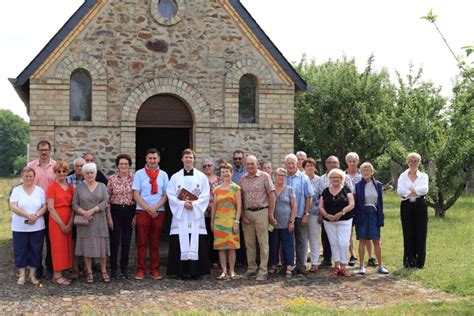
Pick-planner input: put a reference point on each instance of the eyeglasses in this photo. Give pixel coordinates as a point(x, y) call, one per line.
point(413, 161)
point(206, 166)
point(238, 158)
point(78, 166)
point(45, 150)
point(61, 171)
point(335, 178)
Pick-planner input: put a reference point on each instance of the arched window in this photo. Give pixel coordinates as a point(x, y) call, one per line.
point(80, 107)
point(248, 99)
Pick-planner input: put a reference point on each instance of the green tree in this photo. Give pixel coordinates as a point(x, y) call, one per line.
point(440, 132)
point(347, 111)
point(14, 139)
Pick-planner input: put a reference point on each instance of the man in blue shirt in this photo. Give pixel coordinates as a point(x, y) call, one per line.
point(304, 198)
point(238, 164)
point(149, 191)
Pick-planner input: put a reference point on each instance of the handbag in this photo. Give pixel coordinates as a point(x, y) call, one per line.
point(80, 220)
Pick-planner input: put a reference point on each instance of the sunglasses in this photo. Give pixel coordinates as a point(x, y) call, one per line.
point(61, 171)
point(238, 158)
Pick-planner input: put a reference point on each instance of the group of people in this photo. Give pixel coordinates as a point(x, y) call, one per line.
point(221, 216)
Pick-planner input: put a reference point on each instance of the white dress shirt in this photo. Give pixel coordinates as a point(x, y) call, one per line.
point(420, 185)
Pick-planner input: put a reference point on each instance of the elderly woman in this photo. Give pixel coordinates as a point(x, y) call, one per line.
point(59, 198)
point(412, 188)
point(225, 220)
point(335, 206)
point(314, 225)
point(122, 208)
point(368, 215)
point(91, 201)
point(283, 232)
point(208, 168)
point(28, 204)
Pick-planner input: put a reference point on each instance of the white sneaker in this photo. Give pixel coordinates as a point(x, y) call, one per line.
point(382, 270)
point(361, 270)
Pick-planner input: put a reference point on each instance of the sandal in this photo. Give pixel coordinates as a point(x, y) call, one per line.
point(34, 280)
point(288, 273)
point(336, 272)
point(274, 269)
point(314, 268)
point(21, 280)
point(61, 281)
point(90, 278)
point(105, 277)
point(222, 276)
point(234, 276)
point(344, 272)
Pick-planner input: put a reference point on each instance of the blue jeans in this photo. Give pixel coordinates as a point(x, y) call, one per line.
point(27, 248)
point(283, 236)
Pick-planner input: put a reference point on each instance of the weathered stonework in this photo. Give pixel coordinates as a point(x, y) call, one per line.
point(132, 56)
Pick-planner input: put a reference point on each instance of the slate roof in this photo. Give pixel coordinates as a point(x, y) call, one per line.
point(21, 83)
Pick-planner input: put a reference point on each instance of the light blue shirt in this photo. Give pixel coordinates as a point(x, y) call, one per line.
point(302, 188)
point(238, 173)
point(141, 183)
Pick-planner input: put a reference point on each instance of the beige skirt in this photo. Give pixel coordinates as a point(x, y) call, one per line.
point(93, 247)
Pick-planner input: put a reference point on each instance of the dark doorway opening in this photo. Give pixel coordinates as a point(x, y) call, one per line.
point(165, 123)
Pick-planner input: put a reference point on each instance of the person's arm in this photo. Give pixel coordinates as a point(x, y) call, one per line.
point(213, 212)
point(291, 225)
point(54, 215)
point(271, 207)
point(421, 188)
point(402, 190)
point(238, 202)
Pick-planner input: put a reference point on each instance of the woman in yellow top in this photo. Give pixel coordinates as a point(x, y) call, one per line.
point(225, 220)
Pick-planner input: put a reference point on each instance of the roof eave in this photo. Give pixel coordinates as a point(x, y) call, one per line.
point(299, 82)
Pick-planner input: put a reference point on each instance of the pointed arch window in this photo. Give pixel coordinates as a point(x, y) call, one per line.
point(80, 108)
point(248, 99)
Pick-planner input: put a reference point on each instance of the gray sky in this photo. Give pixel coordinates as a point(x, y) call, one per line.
point(392, 30)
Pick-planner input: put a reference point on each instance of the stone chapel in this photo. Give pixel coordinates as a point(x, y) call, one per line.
point(123, 76)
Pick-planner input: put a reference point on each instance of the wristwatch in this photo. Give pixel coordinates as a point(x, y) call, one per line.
point(291, 222)
point(343, 213)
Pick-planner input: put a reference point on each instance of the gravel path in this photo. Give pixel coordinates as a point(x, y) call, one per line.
point(206, 294)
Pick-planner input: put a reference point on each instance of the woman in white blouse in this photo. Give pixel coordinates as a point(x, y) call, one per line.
point(412, 188)
point(28, 204)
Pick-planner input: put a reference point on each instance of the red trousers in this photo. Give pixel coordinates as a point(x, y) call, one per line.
point(148, 233)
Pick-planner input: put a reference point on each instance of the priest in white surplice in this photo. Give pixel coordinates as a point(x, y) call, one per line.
point(188, 253)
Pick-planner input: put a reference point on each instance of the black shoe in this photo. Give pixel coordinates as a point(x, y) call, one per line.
point(352, 261)
point(326, 263)
point(113, 274)
point(125, 275)
point(49, 274)
point(372, 262)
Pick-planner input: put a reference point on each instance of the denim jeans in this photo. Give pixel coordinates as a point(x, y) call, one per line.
point(286, 239)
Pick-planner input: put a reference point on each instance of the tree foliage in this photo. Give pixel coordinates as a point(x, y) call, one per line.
point(346, 111)
point(14, 139)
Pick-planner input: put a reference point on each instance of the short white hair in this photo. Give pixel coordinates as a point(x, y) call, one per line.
point(89, 167)
point(292, 157)
point(80, 159)
point(352, 155)
point(301, 154)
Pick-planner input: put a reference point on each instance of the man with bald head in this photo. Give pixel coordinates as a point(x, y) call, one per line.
point(304, 192)
point(321, 184)
point(258, 196)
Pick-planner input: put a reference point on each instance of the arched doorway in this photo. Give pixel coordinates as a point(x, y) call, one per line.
point(165, 123)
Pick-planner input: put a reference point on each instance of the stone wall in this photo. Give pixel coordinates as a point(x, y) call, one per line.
point(130, 56)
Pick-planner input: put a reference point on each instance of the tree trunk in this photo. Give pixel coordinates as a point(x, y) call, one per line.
point(440, 211)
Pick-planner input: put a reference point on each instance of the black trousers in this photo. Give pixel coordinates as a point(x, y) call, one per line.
point(241, 253)
point(414, 216)
point(213, 254)
point(121, 235)
point(48, 262)
point(327, 254)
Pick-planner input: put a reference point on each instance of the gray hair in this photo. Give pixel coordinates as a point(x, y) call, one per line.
point(80, 159)
point(89, 167)
point(352, 155)
point(209, 160)
point(291, 156)
point(301, 153)
point(281, 170)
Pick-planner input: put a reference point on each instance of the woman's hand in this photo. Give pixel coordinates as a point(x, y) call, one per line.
point(235, 229)
point(88, 214)
point(272, 221)
point(212, 225)
point(331, 218)
point(32, 218)
point(337, 216)
point(68, 227)
point(110, 223)
point(291, 227)
point(134, 221)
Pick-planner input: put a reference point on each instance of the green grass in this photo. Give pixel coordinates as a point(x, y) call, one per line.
point(303, 306)
point(6, 185)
